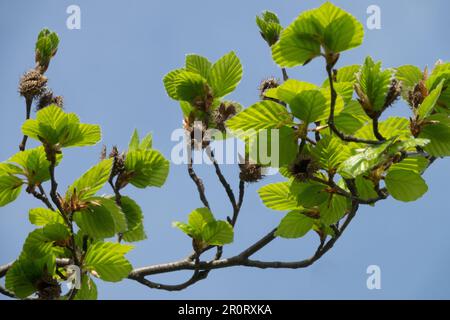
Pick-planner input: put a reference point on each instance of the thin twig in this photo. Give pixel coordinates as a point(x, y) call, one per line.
point(199, 183)
point(285, 75)
point(28, 102)
point(331, 124)
point(67, 220)
point(7, 293)
point(224, 183)
point(376, 130)
point(41, 195)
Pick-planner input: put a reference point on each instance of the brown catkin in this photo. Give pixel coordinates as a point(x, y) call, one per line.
point(47, 98)
point(250, 172)
point(32, 84)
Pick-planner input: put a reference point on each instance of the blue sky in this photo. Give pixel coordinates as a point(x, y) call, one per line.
point(110, 72)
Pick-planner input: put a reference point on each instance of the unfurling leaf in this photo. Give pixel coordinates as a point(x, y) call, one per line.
point(269, 27)
point(205, 229)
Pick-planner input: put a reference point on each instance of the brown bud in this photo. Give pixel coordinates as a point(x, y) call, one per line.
point(331, 58)
point(225, 111)
point(48, 288)
point(204, 102)
point(265, 85)
point(250, 172)
point(32, 84)
point(103, 153)
point(198, 134)
point(393, 94)
point(47, 98)
point(417, 95)
point(118, 162)
point(303, 167)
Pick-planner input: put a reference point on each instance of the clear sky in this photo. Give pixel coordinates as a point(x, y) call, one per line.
point(110, 72)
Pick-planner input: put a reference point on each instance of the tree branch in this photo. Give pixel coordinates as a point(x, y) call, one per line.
point(242, 259)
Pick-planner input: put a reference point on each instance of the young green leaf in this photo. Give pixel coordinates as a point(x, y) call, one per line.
point(146, 168)
point(429, 102)
point(439, 136)
point(298, 42)
point(55, 127)
point(393, 127)
point(441, 72)
point(347, 74)
point(330, 152)
point(287, 91)
point(135, 220)
point(170, 83)
point(23, 275)
point(262, 115)
point(327, 26)
point(107, 260)
point(10, 187)
point(56, 231)
point(348, 123)
point(205, 229)
point(333, 209)
point(91, 181)
point(34, 165)
point(137, 144)
point(405, 185)
point(190, 86)
point(134, 141)
point(102, 218)
point(309, 194)
point(372, 86)
point(217, 233)
point(365, 187)
point(363, 161)
point(199, 218)
point(275, 147)
point(309, 106)
point(342, 30)
point(277, 196)
point(146, 142)
point(410, 76)
point(226, 74)
point(269, 27)
point(198, 64)
point(46, 47)
point(416, 164)
point(294, 225)
point(43, 216)
point(39, 244)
